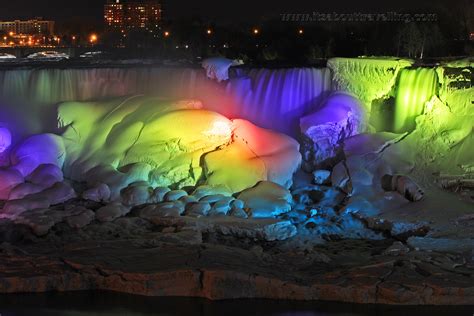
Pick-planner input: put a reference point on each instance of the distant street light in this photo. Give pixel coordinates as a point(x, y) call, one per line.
point(256, 31)
point(93, 39)
point(300, 31)
point(166, 34)
point(209, 32)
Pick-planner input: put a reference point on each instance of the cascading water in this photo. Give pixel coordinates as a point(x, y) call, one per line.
point(415, 87)
point(270, 98)
point(277, 99)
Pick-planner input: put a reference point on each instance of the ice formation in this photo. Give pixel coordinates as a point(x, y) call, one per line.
point(186, 158)
point(5, 139)
point(129, 182)
point(367, 78)
point(170, 144)
point(217, 68)
point(339, 117)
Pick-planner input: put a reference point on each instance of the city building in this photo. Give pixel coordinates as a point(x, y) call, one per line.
point(114, 14)
point(30, 27)
point(128, 15)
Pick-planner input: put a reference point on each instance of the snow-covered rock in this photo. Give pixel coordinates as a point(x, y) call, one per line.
point(59, 193)
point(255, 154)
point(339, 117)
point(238, 212)
point(205, 190)
point(267, 199)
point(221, 206)
point(217, 68)
point(175, 195)
point(198, 209)
point(46, 175)
point(166, 209)
point(280, 231)
point(38, 150)
point(170, 144)
point(212, 198)
point(103, 138)
point(14, 208)
point(158, 194)
point(24, 189)
point(99, 193)
point(82, 217)
point(111, 211)
point(321, 176)
point(9, 179)
point(136, 194)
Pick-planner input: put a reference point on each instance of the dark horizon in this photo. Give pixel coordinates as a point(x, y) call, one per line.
point(219, 11)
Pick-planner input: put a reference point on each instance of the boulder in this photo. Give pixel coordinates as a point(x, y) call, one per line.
point(9, 179)
point(82, 217)
point(339, 117)
point(136, 194)
point(238, 212)
point(217, 68)
point(46, 175)
point(198, 209)
point(166, 209)
point(140, 130)
point(158, 194)
point(25, 189)
point(321, 176)
point(111, 211)
point(175, 195)
point(256, 154)
point(38, 150)
point(221, 207)
point(267, 199)
point(205, 190)
point(99, 193)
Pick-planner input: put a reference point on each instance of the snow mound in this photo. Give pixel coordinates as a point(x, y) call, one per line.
point(170, 143)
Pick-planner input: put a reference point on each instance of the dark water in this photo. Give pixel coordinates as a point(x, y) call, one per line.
point(115, 304)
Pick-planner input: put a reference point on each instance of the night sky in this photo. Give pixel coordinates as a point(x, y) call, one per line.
point(221, 11)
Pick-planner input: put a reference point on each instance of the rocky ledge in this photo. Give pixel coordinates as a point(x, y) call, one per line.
point(200, 257)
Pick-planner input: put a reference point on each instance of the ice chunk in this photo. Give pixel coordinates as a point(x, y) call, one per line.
point(217, 68)
point(267, 199)
point(37, 150)
point(339, 117)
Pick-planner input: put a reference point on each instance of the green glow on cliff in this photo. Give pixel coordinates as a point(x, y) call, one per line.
point(415, 88)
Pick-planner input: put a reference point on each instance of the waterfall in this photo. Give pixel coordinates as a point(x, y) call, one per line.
point(271, 98)
point(276, 99)
point(415, 87)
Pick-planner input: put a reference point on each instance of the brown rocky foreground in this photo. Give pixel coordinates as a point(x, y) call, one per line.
point(132, 256)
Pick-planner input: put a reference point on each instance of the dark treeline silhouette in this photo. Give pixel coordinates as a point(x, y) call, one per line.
point(306, 42)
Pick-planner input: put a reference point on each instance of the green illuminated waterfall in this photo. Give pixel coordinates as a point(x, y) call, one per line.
point(415, 87)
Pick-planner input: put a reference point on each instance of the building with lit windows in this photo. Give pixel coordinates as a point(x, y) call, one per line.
point(30, 27)
point(128, 15)
point(114, 14)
